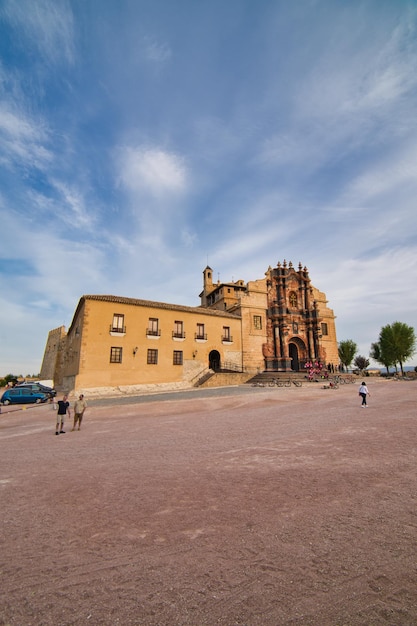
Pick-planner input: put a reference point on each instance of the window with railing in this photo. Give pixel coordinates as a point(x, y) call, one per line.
point(200, 334)
point(324, 329)
point(116, 354)
point(152, 357)
point(226, 334)
point(153, 327)
point(118, 324)
point(178, 331)
point(177, 357)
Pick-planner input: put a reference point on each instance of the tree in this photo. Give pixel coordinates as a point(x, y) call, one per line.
point(9, 378)
point(398, 342)
point(378, 355)
point(347, 351)
point(361, 362)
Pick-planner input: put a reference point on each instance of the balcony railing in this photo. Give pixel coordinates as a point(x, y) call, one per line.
point(178, 335)
point(200, 336)
point(117, 329)
point(153, 332)
point(227, 338)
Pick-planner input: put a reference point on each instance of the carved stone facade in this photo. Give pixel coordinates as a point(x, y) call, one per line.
point(285, 311)
point(300, 328)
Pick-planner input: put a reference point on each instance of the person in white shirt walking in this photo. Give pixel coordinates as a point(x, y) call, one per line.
point(364, 392)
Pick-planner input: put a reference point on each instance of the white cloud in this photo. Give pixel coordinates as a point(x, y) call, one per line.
point(387, 175)
point(46, 24)
point(22, 140)
point(74, 210)
point(189, 239)
point(64, 207)
point(250, 150)
point(152, 171)
point(156, 51)
point(351, 96)
point(368, 293)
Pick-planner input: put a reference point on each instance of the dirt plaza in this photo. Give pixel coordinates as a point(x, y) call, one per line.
point(269, 506)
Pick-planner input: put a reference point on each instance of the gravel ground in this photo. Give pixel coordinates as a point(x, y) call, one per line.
point(251, 506)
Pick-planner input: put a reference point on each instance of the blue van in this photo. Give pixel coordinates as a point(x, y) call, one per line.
point(23, 395)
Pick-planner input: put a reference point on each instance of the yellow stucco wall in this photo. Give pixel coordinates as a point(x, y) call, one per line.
point(253, 304)
point(329, 341)
point(92, 367)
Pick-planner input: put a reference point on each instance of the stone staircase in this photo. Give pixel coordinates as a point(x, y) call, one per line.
point(265, 378)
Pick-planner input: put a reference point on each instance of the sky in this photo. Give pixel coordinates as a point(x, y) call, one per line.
point(142, 140)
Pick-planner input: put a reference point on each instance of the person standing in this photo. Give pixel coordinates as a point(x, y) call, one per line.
point(63, 410)
point(79, 408)
point(364, 392)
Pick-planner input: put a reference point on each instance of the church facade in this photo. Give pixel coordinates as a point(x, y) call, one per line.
point(277, 324)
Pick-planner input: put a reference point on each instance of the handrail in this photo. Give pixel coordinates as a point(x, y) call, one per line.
point(200, 374)
point(153, 333)
point(228, 365)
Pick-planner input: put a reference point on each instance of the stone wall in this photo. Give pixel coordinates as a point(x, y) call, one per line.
point(52, 353)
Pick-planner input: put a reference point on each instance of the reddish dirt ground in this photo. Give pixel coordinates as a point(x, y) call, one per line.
point(282, 506)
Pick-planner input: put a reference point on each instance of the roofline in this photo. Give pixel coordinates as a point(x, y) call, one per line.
point(151, 304)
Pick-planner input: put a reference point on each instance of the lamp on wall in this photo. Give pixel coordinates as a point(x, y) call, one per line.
point(194, 354)
point(135, 350)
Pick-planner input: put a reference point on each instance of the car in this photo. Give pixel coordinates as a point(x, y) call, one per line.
point(38, 387)
point(22, 395)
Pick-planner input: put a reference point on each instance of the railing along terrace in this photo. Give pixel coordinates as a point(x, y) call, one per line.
point(117, 329)
point(231, 367)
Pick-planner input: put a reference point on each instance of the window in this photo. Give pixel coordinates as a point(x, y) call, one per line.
point(152, 357)
point(324, 329)
point(118, 325)
point(178, 330)
point(257, 322)
point(153, 327)
point(226, 334)
point(116, 355)
point(177, 360)
point(200, 334)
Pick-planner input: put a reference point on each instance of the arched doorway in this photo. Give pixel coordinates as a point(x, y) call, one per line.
point(295, 361)
point(214, 360)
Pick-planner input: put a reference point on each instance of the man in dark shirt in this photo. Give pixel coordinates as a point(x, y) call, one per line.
point(63, 410)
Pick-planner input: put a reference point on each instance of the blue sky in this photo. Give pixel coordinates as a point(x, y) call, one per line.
point(141, 140)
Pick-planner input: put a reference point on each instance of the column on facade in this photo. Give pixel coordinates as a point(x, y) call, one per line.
point(316, 331)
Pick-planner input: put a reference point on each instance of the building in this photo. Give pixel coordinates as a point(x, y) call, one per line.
point(277, 324)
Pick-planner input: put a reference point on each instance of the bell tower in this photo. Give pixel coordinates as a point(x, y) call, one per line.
point(207, 285)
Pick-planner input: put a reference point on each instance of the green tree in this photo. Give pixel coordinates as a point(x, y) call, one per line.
point(378, 355)
point(7, 379)
point(398, 342)
point(361, 362)
point(347, 351)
